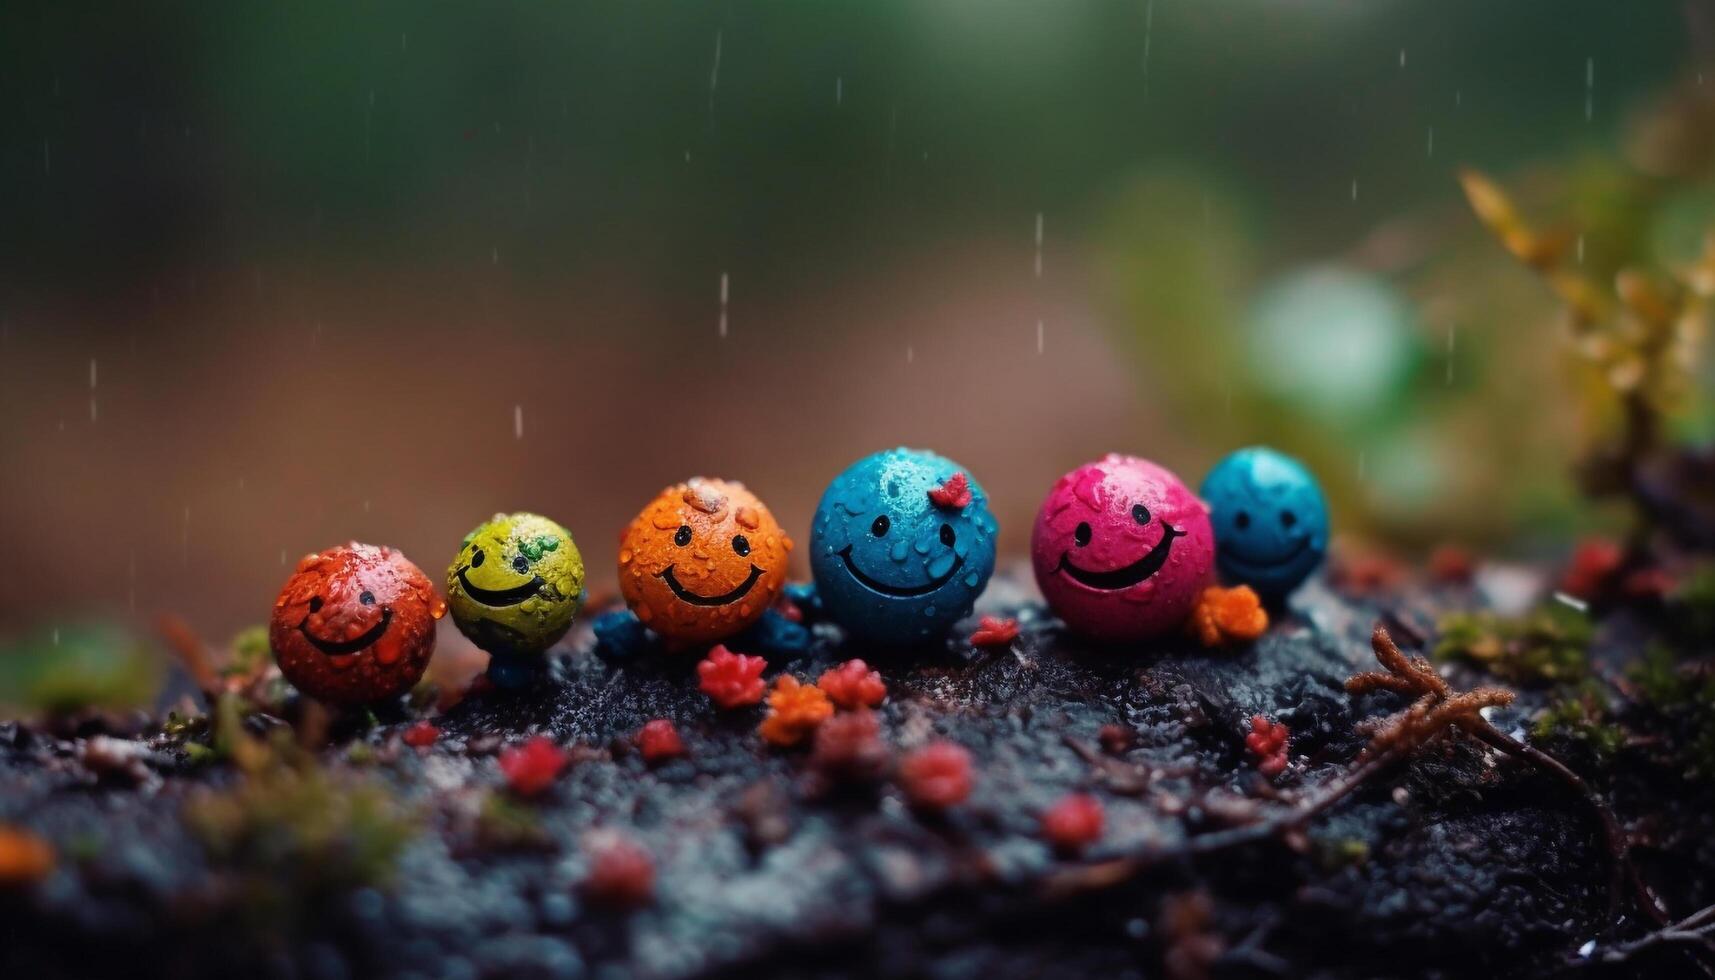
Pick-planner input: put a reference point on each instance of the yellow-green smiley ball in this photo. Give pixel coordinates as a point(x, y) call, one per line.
point(516, 584)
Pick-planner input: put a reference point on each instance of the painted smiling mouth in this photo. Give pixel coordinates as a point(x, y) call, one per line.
point(899, 591)
point(1251, 563)
point(686, 595)
point(500, 597)
point(1130, 575)
point(339, 648)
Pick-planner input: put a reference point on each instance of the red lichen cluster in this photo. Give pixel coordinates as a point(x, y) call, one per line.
point(1073, 823)
point(421, 735)
point(853, 685)
point(1595, 565)
point(731, 680)
point(1268, 742)
point(532, 767)
point(1451, 564)
point(659, 741)
point(1223, 616)
point(621, 872)
point(848, 747)
point(794, 711)
point(1190, 944)
point(936, 776)
point(994, 631)
point(1365, 572)
point(953, 494)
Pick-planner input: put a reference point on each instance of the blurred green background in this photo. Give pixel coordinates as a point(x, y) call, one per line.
point(273, 277)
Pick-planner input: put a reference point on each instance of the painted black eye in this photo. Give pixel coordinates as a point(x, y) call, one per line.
point(315, 603)
point(1140, 513)
point(367, 598)
point(1081, 534)
point(477, 558)
point(880, 526)
point(947, 535)
point(1288, 518)
point(521, 564)
point(1242, 520)
point(741, 545)
point(683, 537)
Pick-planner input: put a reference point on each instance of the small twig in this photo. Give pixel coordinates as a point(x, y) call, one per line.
point(1621, 870)
point(193, 653)
point(1696, 932)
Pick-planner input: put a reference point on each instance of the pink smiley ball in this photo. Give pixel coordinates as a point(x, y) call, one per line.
point(1121, 549)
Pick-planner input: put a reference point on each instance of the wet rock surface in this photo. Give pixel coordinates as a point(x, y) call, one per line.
point(1458, 862)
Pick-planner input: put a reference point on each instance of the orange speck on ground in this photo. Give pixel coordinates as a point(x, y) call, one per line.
point(1224, 616)
point(794, 711)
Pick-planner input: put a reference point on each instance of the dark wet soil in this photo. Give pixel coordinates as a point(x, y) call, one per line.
point(1462, 862)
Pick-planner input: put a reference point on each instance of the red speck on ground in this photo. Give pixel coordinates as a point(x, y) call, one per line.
point(1595, 562)
point(994, 631)
point(1650, 583)
point(936, 776)
point(621, 872)
point(731, 680)
point(532, 767)
point(849, 747)
point(953, 494)
point(659, 741)
point(1268, 741)
point(420, 735)
point(853, 685)
point(1073, 823)
point(788, 610)
point(1452, 565)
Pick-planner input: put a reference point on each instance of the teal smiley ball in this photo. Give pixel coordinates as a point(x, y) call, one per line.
point(1270, 519)
point(902, 544)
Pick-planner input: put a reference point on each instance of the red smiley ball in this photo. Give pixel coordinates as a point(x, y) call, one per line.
point(1122, 549)
point(355, 625)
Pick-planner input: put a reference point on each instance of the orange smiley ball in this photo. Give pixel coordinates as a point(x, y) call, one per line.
point(704, 560)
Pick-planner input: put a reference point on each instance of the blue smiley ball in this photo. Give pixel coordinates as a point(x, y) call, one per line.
point(902, 544)
point(1271, 522)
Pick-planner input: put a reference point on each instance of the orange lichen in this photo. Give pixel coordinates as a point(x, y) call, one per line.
point(1073, 823)
point(24, 857)
point(532, 767)
point(1224, 616)
point(936, 776)
point(994, 631)
point(731, 680)
point(794, 711)
point(853, 685)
